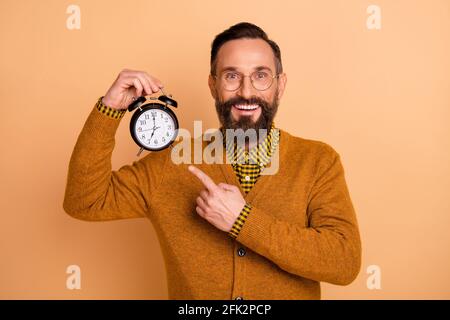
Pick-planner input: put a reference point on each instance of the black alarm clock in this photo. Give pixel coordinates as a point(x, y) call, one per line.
point(153, 126)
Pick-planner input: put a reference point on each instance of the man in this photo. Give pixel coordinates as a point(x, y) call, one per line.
point(227, 231)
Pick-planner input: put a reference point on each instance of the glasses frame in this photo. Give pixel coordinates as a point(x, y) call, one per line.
point(251, 80)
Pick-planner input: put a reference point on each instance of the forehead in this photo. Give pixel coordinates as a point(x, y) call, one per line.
point(245, 55)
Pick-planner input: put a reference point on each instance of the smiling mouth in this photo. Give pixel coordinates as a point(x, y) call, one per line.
point(246, 107)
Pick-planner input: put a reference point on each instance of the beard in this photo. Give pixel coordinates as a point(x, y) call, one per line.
point(268, 112)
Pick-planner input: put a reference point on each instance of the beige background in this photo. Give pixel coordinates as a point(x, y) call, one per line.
point(381, 98)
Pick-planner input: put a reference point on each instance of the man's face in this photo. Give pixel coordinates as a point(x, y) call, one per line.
point(246, 56)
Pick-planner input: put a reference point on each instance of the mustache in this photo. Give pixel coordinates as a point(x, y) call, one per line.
point(240, 100)
point(268, 111)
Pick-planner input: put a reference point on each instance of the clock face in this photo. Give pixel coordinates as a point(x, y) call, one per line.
point(155, 128)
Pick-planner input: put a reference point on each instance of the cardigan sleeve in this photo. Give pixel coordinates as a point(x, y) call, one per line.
point(329, 248)
point(95, 192)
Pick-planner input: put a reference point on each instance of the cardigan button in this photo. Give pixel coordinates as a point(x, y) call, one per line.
point(241, 252)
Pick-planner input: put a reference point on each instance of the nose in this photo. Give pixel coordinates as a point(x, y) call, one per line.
point(246, 89)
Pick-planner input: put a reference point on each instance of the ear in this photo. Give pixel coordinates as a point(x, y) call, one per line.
point(282, 79)
point(212, 86)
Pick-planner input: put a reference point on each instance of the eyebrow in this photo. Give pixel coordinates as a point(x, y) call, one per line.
point(258, 68)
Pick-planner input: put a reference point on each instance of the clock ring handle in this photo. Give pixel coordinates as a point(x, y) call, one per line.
point(136, 103)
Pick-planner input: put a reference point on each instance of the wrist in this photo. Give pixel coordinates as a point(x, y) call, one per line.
point(109, 103)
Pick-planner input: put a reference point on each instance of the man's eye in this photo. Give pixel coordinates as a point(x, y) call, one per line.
point(231, 76)
point(261, 75)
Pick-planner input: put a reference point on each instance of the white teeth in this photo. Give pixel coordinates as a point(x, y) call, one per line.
point(246, 107)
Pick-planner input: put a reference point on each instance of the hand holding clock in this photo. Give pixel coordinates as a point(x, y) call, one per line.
point(129, 91)
point(130, 84)
point(219, 204)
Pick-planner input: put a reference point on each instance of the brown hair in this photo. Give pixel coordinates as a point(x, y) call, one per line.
point(239, 31)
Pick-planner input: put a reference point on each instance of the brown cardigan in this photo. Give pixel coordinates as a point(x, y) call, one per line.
point(302, 228)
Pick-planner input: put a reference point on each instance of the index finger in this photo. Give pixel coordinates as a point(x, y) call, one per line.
point(203, 177)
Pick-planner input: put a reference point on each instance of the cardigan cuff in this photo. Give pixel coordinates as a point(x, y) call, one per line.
point(257, 232)
point(108, 111)
point(239, 223)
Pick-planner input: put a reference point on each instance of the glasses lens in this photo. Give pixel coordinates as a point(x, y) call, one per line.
point(231, 80)
point(262, 79)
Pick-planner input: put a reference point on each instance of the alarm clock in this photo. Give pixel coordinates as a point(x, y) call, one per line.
point(153, 126)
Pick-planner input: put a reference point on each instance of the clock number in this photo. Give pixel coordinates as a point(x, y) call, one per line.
point(143, 136)
point(156, 141)
point(147, 116)
point(153, 114)
point(143, 122)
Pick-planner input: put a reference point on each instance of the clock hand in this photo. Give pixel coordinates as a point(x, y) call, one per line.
point(154, 128)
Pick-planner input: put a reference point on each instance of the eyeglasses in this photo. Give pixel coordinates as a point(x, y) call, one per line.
point(232, 80)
